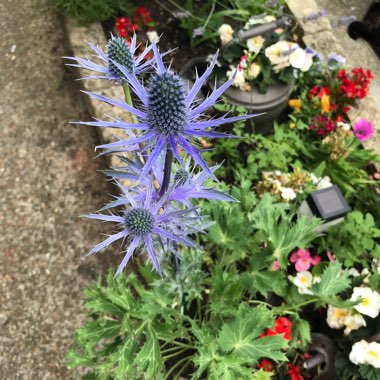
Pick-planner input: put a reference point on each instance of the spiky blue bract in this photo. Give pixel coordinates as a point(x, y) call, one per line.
point(118, 50)
point(169, 115)
point(146, 221)
point(186, 183)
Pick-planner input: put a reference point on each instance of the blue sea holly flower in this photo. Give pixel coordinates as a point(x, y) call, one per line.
point(186, 183)
point(118, 50)
point(169, 115)
point(146, 221)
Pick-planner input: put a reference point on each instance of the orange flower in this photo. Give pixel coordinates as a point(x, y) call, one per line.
point(296, 104)
point(325, 104)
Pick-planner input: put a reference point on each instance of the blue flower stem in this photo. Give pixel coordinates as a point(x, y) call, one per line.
point(167, 171)
point(129, 101)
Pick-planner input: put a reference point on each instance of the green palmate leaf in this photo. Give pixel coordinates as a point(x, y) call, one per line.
point(301, 331)
point(206, 358)
point(279, 229)
point(241, 336)
point(259, 279)
point(149, 358)
point(333, 281)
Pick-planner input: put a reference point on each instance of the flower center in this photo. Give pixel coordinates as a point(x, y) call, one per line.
point(119, 52)
point(365, 302)
point(180, 177)
point(139, 222)
point(167, 111)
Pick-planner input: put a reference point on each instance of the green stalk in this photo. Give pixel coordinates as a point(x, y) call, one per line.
point(128, 99)
point(185, 359)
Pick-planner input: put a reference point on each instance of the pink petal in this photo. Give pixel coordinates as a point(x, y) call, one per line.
point(303, 253)
point(315, 260)
point(302, 265)
point(294, 257)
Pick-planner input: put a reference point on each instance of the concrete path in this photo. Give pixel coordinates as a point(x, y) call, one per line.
point(47, 179)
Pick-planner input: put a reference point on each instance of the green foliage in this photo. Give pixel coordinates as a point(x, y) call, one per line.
point(333, 281)
point(232, 350)
point(147, 328)
point(354, 241)
point(86, 12)
point(283, 234)
point(368, 372)
point(259, 279)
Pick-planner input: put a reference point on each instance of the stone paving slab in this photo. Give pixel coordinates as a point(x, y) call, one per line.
point(48, 177)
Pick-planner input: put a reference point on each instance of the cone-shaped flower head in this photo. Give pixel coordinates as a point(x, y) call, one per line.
point(145, 221)
point(118, 51)
point(169, 117)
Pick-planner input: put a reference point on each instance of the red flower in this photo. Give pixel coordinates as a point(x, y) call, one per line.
point(142, 11)
point(266, 365)
point(322, 125)
point(294, 372)
point(313, 91)
point(282, 326)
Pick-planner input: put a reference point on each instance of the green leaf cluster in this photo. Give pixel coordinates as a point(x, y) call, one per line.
point(354, 240)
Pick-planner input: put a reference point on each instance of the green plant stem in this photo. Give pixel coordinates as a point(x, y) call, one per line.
point(182, 369)
point(128, 99)
point(297, 307)
point(185, 359)
point(173, 354)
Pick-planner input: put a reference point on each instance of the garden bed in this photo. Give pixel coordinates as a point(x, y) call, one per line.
point(268, 288)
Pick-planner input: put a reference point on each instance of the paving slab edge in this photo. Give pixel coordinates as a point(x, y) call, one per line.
point(318, 36)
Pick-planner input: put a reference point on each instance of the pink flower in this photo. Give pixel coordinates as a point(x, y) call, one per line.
point(275, 265)
point(331, 256)
point(303, 260)
point(363, 129)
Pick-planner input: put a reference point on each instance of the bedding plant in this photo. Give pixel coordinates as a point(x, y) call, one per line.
point(244, 299)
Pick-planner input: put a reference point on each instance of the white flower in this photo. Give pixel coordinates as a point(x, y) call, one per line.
point(153, 36)
point(288, 193)
point(303, 281)
point(373, 354)
point(370, 304)
point(255, 44)
point(278, 53)
point(254, 70)
point(365, 353)
point(353, 272)
point(299, 59)
point(239, 80)
point(324, 183)
point(254, 20)
point(358, 352)
point(336, 317)
point(226, 33)
point(344, 126)
point(353, 322)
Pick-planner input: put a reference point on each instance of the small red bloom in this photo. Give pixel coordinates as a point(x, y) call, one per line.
point(266, 365)
point(282, 326)
point(294, 372)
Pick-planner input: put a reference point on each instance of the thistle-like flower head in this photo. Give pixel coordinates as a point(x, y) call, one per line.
point(118, 51)
point(145, 221)
point(169, 115)
point(186, 183)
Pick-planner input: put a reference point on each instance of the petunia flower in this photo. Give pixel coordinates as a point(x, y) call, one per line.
point(118, 50)
point(169, 115)
point(363, 129)
point(146, 221)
